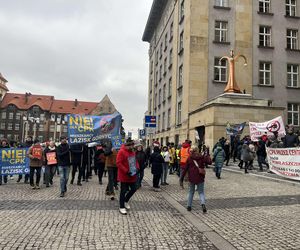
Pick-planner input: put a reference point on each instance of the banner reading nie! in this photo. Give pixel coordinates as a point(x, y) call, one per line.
point(13, 161)
point(87, 129)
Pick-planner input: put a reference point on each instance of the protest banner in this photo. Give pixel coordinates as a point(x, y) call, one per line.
point(51, 158)
point(14, 161)
point(236, 129)
point(37, 152)
point(285, 162)
point(257, 130)
point(87, 129)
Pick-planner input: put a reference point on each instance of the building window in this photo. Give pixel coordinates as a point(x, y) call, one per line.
point(265, 36)
point(16, 137)
point(181, 11)
point(291, 7)
point(2, 125)
point(180, 78)
point(42, 117)
point(160, 50)
point(41, 127)
point(9, 126)
point(293, 114)
point(10, 115)
point(265, 73)
point(179, 113)
point(163, 121)
point(181, 42)
point(221, 31)
point(293, 75)
point(159, 97)
point(160, 72)
point(221, 3)
point(169, 118)
point(170, 87)
point(158, 123)
point(170, 57)
point(17, 126)
point(166, 41)
point(41, 138)
point(156, 77)
point(156, 57)
point(292, 39)
point(164, 92)
point(3, 115)
point(52, 128)
point(9, 136)
point(18, 116)
point(165, 66)
point(220, 70)
point(171, 32)
point(264, 6)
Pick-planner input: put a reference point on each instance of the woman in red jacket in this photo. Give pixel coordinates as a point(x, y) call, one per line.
point(195, 166)
point(127, 174)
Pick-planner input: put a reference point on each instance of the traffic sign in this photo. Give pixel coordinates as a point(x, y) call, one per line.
point(150, 121)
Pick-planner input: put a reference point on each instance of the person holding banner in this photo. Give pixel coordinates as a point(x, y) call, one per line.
point(64, 162)
point(4, 144)
point(127, 174)
point(36, 156)
point(50, 162)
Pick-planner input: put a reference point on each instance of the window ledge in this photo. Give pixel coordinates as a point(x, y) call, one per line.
point(265, 13)
point(219, 42)
point(221, 7)
point(289, 87)
point(219, 82)
point(265, 47)
point(296, 50)
point(180, 51)
point(165, 49)
point(267, 86)
point(293, 17)
point(181, 20)
point(178, 125)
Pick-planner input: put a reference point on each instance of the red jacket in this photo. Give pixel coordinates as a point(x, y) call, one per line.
point(193, 171)
point(123, 158)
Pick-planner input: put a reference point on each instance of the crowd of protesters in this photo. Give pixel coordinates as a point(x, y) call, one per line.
point(125, 167)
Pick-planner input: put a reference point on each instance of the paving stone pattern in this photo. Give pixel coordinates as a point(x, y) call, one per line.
point(248, 211)
point(87, 219)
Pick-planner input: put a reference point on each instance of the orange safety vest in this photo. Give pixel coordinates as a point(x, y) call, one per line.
point(184, 155)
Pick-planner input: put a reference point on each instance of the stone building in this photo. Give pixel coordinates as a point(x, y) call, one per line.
point(188, 37)
point(42, 116)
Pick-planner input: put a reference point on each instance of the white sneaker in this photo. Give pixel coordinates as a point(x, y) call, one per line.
point(123, 211)
point(127, 206)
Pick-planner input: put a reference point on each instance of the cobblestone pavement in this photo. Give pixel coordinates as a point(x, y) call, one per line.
point(86, 219)
point(249, 211)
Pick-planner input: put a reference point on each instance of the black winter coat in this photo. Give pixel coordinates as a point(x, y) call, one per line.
point(63, 155)
point(156, 161)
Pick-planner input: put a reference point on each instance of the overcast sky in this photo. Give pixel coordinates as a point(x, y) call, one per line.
point(80, 49)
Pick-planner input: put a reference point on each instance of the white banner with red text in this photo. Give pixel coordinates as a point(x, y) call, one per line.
point(285, 162)
point(258, 129)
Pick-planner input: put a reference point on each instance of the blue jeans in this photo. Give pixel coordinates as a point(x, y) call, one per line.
point(140, 178)
point(165, 172)
point(218, 167)
point(64, 177)
point(200, 188)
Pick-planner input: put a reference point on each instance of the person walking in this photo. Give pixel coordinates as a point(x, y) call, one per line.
point(141, 158)
point(50, 163)
point(100, 161)
point(64, 162)
point(195, 167)
point(166, 155)
point(110, 165)
point(76, 161)
point(246, 155)
point(127, 174)
point(4, 144)
point(36, 156)
point(219, 156)
point(156, 161)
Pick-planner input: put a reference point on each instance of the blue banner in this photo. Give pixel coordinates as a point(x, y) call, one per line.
point(13, 161)
point(87, 129)
point(235, 129)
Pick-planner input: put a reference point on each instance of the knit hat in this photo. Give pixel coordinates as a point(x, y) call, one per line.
point(129, 142)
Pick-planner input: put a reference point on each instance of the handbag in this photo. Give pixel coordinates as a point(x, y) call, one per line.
point(201, 170)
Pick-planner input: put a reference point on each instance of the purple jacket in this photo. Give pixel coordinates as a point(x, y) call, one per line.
point(193, 171)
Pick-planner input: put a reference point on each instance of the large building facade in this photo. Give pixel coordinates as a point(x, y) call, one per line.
point(188, 37)
point(41, 116)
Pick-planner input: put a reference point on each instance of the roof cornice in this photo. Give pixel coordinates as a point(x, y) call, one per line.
point(154, 17)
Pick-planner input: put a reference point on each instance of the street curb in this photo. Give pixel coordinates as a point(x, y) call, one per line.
point(292, 183)
point(218, 241)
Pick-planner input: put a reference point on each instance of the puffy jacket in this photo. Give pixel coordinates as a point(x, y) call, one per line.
point(184, 153)
point(124, 157)
point(219, 154)
point(156, 160)
point(193, 171)
point(141, 158)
